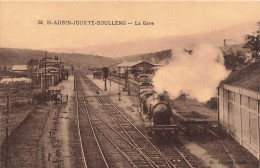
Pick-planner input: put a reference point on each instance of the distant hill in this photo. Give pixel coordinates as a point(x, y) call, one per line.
point(11, 56)
point(156, 57)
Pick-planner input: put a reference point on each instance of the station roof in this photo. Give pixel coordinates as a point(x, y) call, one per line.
point(9, 80)
point(49, 68)
point(19, 68)
point(247, 77)
point(130, 64)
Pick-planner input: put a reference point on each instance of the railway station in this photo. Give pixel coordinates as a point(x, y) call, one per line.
point(182, 92)
point(141, 129)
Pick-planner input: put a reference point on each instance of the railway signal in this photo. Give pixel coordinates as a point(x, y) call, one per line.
point(127, 88)
point(105, 75)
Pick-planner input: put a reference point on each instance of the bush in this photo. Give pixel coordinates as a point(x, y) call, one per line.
point(19, 104)
point(39, 98)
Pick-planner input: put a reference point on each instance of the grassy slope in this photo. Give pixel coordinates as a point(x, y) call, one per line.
point(11, 56)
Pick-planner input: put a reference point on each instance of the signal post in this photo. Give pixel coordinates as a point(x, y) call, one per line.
point(105, 75)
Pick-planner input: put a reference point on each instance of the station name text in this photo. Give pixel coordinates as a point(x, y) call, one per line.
point(94, 23)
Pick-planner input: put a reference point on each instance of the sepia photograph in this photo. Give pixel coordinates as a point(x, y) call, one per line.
point(120, 84)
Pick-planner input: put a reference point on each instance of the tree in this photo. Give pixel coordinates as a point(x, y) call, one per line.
point(252, 41)
point(31, 63)
point(234, 60)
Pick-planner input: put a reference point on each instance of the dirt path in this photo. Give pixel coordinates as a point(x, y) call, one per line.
point(65, 115)
point(61, 141)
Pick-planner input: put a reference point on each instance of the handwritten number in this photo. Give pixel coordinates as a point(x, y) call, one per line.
point(40, 22)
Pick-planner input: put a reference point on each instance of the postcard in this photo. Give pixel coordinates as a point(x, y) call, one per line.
point(130, 84)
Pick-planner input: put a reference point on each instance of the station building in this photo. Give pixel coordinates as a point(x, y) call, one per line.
point(238, 107)
point(20, 70)
point(54, 72)
point(139, 67)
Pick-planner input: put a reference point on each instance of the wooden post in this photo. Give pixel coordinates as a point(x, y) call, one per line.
point(228, 109)
point(74, 83)
point(45, 84)
point(6, 132)
point(128, 83)
point(12, 81)
point(119, 94)
point(258, 110)
point(60, 71)
point(105, 84)
point(241, 129)
point(249, 114)
point(218, 106)
point(126, 79)
point(110, 84)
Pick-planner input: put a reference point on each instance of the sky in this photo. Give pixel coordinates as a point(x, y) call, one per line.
point(19, 28)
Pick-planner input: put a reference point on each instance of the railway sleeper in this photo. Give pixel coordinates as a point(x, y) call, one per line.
point(138, 159)
point(141, 161)
point(126, 125)
point(130, 131)
point(139, 165)
point(131, 153)
point(143, 166)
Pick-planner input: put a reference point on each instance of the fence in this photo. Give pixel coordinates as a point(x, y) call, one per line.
point(239, 115)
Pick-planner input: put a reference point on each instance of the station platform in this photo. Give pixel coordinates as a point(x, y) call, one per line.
point(189, 112)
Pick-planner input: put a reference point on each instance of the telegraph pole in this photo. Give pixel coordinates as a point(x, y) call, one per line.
point(127, 82)
point(119, 94)
point(45, 55)
point(6, 132)
point(128, 85)
point(60, 71)
point(74, 81)
point(45, 80)
point(126, 75)
point(12, 80)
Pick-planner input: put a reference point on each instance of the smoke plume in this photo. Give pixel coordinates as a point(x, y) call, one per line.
point(197, 74)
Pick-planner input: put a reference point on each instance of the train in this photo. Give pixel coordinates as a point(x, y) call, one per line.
point(157, 114)
point(144, 80)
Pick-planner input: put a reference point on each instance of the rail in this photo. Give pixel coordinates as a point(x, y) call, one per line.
point(149, 162)
point(167, 161)
point(91, 126)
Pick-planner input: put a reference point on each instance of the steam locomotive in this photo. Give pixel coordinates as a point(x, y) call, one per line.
point(157, 114)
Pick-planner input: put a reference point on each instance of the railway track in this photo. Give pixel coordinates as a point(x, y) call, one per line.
point(134, 136)
point(108, 147)
point(92, 154)
point(133, 86)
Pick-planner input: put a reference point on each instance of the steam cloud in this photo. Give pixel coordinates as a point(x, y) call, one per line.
point(197, 75)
